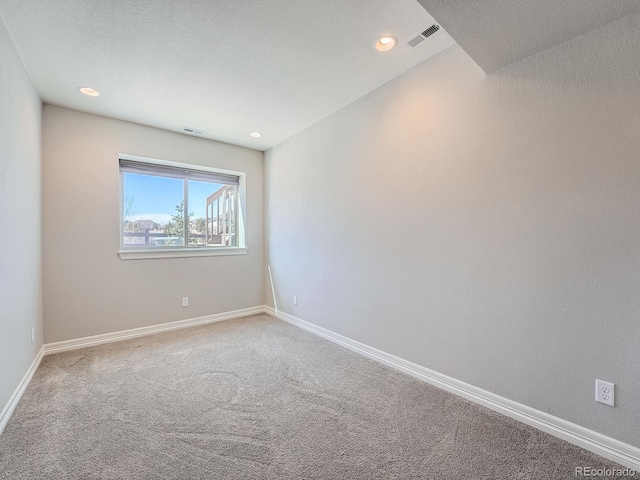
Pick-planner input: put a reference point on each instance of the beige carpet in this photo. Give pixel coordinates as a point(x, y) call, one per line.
point(258, 398)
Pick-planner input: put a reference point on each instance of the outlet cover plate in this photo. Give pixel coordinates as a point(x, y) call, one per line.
point(605, 392)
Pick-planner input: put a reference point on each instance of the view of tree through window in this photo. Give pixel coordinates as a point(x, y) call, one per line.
point(154, 213)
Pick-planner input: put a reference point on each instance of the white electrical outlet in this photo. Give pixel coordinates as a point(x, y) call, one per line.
point(33, 334)
point(185, 301)
point(295, 299)
point(605, 392)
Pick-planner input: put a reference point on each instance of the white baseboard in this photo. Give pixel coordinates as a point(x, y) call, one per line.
point(607, 447)
point(8, 409)
point(76, 343)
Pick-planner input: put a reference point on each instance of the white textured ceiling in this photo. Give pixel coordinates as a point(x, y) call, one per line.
point(498, 32)
point(229, 67)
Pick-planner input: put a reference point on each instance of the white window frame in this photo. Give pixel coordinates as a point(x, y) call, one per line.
point(140, 253)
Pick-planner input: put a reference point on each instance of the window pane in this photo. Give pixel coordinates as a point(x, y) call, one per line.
point(153, 211)
point(214, 214)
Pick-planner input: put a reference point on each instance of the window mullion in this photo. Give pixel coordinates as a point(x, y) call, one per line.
point(185, 213)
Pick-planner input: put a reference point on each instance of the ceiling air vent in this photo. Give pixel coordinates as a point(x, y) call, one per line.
point(430, 31)
point(418, 39)
point(415, 41)
point(193, 131)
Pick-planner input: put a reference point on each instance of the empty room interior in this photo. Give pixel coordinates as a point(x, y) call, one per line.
point(359, 239)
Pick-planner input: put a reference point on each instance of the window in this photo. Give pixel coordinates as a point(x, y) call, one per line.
point(171, 209)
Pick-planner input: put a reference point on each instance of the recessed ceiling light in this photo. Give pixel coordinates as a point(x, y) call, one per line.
point(89, 91)
point(255, 135)
point(386, 42)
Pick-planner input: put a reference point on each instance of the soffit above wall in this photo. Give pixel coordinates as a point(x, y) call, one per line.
point(496, 33)
point(227, 67)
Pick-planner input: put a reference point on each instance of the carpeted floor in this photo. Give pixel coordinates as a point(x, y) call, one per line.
point(258, 398)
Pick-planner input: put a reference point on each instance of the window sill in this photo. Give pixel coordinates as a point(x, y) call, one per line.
point(141, 254)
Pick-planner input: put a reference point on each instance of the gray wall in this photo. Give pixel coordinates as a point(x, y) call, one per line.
point(486, 227)
point(20, 229)
point(88, 289)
